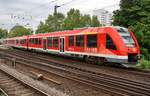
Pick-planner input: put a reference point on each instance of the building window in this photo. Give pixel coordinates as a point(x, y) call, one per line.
point(92, 41)
point(109, 43)
point(71, 40)
point(55, 42)
point(49, 39)
point(80, 40)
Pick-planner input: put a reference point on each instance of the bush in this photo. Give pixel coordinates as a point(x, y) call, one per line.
point(144, 64)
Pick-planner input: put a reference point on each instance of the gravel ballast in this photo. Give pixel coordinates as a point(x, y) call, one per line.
point(34, 83)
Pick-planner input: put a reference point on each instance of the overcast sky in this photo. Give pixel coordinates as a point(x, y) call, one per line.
point(30, 12)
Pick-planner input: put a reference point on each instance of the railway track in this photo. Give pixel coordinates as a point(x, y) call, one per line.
point(115, 85)
point(15, 87)
point(125, 70)
point(3, 93)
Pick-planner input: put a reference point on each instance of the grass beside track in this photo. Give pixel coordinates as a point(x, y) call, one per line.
point(144, 64)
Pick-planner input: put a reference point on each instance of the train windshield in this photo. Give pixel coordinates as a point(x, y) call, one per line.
point(126, 36)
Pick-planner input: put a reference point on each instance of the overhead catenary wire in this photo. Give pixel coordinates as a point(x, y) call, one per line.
point(43, 5)
point(64, 4)
point(67, 3)
point(60, 5)
point(30, 10)
point(34, 16)
point(15, 16)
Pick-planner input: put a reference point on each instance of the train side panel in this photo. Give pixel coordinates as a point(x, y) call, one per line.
point(106, 44)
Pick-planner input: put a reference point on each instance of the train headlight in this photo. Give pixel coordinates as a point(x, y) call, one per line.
point(139, 57)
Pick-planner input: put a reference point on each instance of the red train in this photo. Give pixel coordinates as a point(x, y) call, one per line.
point(99, 44)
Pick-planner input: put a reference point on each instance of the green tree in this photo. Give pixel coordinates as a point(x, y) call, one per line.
point(73, 20)
point(59, 19)
point(41, 28)
point(19, 30)
point(3, 33)
point(86, 21)
point(49, 25)
point(135, 14)
point(95, 22)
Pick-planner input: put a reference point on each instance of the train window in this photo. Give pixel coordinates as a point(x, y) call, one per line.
point(22, 41)
point(32, 40)
point(126, 36)
point(71, 40)
point(36, 41)
point(109, 43)
point(39, 41)
point(92, 41)
point(55, 42)
point(80, 40)
point(17, 41)
point(122, 30)
point(49, 41)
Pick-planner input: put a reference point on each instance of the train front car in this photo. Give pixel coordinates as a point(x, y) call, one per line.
point(131, 48)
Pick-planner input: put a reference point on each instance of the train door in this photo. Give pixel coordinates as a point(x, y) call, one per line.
point(27, 42)
point(44, 43)
point(62, 44)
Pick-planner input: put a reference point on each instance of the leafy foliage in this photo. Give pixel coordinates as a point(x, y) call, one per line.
point(74, 19)
point(135, 14)
point(3, 33)
point(41, 28)
point(145, 64)
point(95, 22)
point(19, 31)
point(85, 21)
point(49, 25)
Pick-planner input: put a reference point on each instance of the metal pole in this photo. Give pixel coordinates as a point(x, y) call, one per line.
point(55, 15)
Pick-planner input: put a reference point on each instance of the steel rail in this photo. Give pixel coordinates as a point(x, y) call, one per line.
point(24, 83)
point(61, 68)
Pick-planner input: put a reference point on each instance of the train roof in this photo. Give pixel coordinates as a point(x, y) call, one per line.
point(16, 38)
point(90, 30)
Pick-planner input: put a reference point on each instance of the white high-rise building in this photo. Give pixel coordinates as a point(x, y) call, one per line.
point(105, 17)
